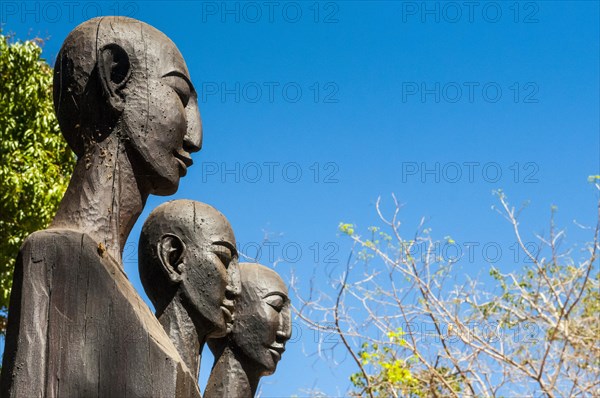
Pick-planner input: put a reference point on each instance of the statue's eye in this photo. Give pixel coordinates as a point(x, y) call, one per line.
point(180, 86)
point(223, 253)
point(275, 301)
point(225, 259)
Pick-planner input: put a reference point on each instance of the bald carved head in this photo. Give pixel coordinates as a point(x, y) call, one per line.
point(187, 253)
point(262, 322)
point(117, 75)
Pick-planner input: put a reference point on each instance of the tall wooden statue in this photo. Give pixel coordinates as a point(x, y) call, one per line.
point(77, 327)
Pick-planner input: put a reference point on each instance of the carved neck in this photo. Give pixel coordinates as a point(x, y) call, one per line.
point(232, 376)
point(180, 328)
point(103, 199)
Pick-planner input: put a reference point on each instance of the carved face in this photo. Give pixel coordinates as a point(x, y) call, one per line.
point(160, 114)
point(210, 279)
point(263, 321)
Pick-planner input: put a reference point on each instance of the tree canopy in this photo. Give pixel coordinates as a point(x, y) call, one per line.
point(36, 162)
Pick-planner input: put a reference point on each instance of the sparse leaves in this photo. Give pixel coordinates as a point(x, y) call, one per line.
point(416, 326)
point(347, 229)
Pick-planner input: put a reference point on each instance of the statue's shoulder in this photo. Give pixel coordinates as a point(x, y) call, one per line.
point(49, 243)
point(93, 334)
point(57, 235)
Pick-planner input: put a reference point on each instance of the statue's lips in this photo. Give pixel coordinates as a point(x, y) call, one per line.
point(227, 308)
point(277, 350)
point(184, 160)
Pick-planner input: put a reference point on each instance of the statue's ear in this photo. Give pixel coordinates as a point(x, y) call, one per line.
point(170, 251)
point(114, 68)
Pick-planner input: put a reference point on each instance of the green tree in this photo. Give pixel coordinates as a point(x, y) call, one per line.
point(416, 325)
point(36, 162)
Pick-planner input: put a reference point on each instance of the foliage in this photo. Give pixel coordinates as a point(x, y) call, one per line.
point(36, 162)
point(392, 375)
point(416, 326)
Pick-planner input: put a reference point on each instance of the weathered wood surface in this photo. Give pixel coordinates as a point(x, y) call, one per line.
point(78, 328)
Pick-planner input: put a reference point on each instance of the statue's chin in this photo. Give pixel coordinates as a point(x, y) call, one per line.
point(266, 363)
point(164, 186)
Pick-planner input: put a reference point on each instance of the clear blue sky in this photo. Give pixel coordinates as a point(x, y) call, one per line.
point(439, 103)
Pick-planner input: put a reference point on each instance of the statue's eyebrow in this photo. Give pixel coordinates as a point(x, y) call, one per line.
point(183, 76)
point(227, 245)
point(277, 293)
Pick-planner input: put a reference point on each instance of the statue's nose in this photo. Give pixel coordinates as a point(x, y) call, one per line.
point(234, 287)
point(192, 141)
point(285, 328)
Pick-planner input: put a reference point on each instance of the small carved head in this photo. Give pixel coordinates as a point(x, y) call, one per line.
point(262, 323)
point(117, 75)
point(187, 253)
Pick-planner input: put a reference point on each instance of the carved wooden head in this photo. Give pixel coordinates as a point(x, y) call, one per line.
point(187, 252)
point(117, 75)
point(262, 323)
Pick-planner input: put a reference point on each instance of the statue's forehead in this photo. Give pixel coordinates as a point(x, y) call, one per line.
point(196, 222)
point(220, 233)
point(262, 282)
point(213, 226)
point(163, 53)
point(152, 47)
